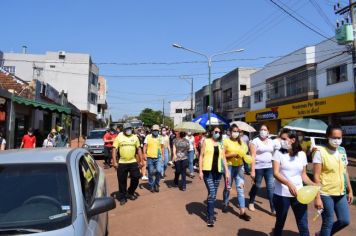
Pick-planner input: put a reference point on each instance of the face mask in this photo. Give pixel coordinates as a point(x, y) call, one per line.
point(216, 136)
point(285, 145)
point(334, 142)
point(155, 133)
point(128, 132)
point(189, 133)
point(300, 138)
point(164, 132)
point(264, 133)
point(235, 134)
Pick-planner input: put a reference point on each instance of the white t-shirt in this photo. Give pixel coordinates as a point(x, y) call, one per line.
point(290, 168)
point(264, 152)
point(191, 142)
point(317, 156)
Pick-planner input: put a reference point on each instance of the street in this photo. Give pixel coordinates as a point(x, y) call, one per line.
point(174, 212)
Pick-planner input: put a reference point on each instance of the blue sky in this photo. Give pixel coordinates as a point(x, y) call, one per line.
point(133, 31)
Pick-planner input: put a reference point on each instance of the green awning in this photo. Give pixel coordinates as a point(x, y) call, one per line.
point(41, 105)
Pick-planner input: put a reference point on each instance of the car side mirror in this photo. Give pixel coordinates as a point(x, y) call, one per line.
point(101, 205)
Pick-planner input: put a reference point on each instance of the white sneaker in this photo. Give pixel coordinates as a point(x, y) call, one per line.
point(251, 207)
point(144, 177)
point(170, 163)
point(195, 168)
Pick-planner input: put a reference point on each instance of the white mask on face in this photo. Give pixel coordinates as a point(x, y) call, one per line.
point(164, 132)
point(285, 145)
point(334, 142)
point(263, 133)
point(235, 134)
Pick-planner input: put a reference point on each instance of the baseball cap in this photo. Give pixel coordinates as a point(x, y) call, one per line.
point(127, 126)
point(155, 127)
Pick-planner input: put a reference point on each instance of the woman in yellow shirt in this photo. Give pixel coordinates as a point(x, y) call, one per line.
point(235, 150)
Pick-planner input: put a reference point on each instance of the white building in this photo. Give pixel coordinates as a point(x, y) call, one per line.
point(73, 73)
point(179, 110)
point(315, 81)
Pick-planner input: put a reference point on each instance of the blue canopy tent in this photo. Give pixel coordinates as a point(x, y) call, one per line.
point(215, 120)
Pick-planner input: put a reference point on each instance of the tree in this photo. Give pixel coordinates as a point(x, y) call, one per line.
point(150, 117)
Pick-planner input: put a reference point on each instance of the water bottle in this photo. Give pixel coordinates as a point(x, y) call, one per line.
point(318, 213)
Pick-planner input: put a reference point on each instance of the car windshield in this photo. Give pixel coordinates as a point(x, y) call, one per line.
point(96, 134)
point(34, 196)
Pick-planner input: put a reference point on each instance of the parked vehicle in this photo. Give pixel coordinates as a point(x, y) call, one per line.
point(94, 143)
point(52, 192)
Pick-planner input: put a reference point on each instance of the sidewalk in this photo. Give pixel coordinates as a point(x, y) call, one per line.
point(173, 212)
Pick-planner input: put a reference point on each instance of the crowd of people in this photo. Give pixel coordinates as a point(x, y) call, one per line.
point(220, 154)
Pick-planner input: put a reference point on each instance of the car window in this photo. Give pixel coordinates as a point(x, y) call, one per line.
point(35, 196)
point(94, 168)
point(87, 181)
point(96, 134)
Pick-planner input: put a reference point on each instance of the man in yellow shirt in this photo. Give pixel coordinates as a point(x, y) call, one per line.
point(127, 146)
point(153, 151)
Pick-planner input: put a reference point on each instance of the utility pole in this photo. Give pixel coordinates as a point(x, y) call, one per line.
point(191, 94)
point(350, 10)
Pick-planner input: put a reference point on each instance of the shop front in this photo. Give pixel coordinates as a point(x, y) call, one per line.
point(338, 109)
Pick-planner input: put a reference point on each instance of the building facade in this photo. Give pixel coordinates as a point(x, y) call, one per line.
point(73, 73)
point(231, 95)
point(179, 111)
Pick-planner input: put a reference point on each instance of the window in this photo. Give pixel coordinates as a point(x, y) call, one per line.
point(87, 181)
point(179, 110)
point(227, 95)
point(243, 87)
point(93, 98)
point(10, 69)
point(258, 96)
point(337, 74)
point(94, 79)
point(297, 83)
point(275, 89)
point(52, 66)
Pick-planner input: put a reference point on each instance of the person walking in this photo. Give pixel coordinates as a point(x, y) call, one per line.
point(142, 136)
point(167, 150)
point(246, 140)
point(62, 139)
point(153, 152)
point(235, 150)
point(108, 138)
point(211, 158)
point(191, 153)
point(330, 171)
point(2, 141)
point(180, 158)
point(289, 170)
point(262, 149)
point(28, 140)
point(49, 141)
point(127, 145)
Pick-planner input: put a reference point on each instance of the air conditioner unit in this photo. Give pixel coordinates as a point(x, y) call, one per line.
point(61, 54)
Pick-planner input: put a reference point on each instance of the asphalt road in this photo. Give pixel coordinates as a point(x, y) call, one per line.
point(173, 212)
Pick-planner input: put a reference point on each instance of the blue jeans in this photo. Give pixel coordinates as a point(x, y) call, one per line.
point(154, 166)
point(181, 169)
point(340, 206)
point(166, 160)
point(191, 160)
point(300, 211)
point(237, 175)
point(211, 180)
point(267, 173)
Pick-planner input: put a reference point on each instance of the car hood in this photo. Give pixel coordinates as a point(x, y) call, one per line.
point(68, 231)
point(92, 142)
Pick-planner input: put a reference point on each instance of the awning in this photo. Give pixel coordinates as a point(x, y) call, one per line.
point(41, 105)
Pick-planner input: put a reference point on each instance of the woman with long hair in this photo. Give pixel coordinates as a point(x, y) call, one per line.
point(211, 159)
point(330, 171)
point(180, 158)
point(235, 150)
point(289, 170)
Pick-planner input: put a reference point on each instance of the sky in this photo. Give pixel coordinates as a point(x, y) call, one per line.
point(138, 37)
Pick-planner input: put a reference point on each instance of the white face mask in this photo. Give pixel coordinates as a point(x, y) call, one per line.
point(235, 134)
point(285, 145)
point(164, 132)
point(128, 132)
point(334, 142)
point(263, 133)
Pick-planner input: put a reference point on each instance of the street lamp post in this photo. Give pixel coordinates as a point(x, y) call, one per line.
point(209, 60)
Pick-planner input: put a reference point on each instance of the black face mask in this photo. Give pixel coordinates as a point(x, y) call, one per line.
point(155, 133)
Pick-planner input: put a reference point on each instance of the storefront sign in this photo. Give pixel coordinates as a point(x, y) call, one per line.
point(327, 105)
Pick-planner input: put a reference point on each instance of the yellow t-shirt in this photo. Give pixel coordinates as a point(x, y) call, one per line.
point(305, 146)
point(153, 146)
point(236, 148)
point(127, 147)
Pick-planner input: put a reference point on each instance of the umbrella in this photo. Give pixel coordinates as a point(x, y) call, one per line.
point(308, 125)
point(243, 126)
point(189, 127)
point(215, 119)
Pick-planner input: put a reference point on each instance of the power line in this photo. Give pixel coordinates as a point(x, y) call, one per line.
point(322, 13)
point(301, 22)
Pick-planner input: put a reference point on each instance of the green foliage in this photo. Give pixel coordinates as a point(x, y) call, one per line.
point(150, 117)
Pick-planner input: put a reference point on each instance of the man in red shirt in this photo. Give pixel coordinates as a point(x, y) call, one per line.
point(108, 138)
point(28, 140)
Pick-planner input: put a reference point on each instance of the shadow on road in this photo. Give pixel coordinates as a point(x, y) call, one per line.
point(197, 208)
point(170, 183)
point(250, 232)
